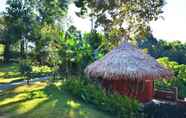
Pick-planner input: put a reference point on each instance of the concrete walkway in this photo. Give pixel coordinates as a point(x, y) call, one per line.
point(23, 82)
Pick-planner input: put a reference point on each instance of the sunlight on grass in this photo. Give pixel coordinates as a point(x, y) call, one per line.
point(71, 114)
point(39, 100)
point(8, 77)
point(17, 98)
point(10, 80)
point(2, 73)
point(9, 72)
point(58, 84)
point(13, 68)
point(25, 92)
point(42, 101)
point(73, 104)
point(28, 88)
point(29, 105)
point(20, 98)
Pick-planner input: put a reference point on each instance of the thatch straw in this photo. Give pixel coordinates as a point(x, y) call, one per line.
point(129, 62)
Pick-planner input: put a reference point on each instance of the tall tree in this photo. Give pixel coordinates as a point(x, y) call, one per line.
point(122, 17)
point(19, 16)
point(49, 13)
point(51, 10)
point(2, 37)
point(26, 18)
point(2, 28)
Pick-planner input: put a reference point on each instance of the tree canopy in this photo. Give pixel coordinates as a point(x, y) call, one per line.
point(26, 18)
point(122, 17)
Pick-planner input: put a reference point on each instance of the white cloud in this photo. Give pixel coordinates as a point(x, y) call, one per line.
point(2, 5)
point(173, 27)
point(81, 24)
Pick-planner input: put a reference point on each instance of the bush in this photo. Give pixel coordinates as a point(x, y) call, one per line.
point(179, 79)
point(42, 69)
point(26, 70)
point(115, 104)
point(77, 51)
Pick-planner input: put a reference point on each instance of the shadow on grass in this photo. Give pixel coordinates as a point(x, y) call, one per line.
point(7, 78)
point(10, 77)
point(26, 96)
point(7, 75)
point(55, 105)
point(8, 67)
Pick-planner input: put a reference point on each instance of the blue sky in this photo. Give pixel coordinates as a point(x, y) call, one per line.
point(172, 27)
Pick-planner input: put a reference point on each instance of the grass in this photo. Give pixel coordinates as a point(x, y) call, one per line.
point(9, 73)
point(42, 101)
point(39, 100)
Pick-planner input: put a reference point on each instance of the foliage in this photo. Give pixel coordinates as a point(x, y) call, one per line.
point(42, 69)
point(50, 11)
point(175, 51)
point(72, 52)
point(19, 17)
point(46, 34)
point(128, 17)
point(98, 43)
point(180, 76)
point(26, 70)
point(47, 46)
point(77, 51)
point(120, 106)
point(25, 19)
point(1, 50)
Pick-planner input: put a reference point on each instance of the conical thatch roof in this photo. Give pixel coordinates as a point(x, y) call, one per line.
point(127, 62)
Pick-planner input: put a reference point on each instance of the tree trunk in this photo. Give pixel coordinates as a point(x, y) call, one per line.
point(22, 49)
point(28, 82)
point(7, 53)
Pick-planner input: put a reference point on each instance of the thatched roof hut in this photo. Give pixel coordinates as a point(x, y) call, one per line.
point(127, 62)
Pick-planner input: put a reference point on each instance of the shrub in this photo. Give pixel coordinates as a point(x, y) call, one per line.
point(42, 69)
point(115, 104)
point(26, 70)
point(77, 51)
point(179, 79)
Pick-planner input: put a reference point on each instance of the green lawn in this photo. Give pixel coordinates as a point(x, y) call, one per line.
point(9, 72)
point(41, 101)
